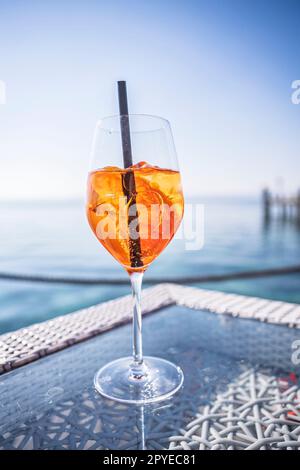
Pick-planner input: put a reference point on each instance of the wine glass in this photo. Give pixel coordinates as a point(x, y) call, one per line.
point(134, 212)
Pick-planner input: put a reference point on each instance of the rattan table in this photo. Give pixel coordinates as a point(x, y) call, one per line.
point(238, 354)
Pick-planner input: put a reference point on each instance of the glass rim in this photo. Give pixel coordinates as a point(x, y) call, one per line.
point(142, 115)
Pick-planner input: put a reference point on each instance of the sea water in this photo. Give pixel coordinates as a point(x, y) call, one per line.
point(53, 238)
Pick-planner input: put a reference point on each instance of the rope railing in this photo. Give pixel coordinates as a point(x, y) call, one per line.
point(4, 276)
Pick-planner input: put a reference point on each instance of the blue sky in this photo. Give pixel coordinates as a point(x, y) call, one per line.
point(220, 71)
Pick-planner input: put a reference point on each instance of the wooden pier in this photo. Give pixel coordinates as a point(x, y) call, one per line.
point(283, 207)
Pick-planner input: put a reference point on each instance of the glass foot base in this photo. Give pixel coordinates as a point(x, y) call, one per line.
point(157, 379)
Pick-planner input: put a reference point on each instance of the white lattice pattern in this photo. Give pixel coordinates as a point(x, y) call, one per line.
point(256, 412)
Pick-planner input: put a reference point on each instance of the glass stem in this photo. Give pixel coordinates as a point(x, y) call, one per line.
point(136, 285)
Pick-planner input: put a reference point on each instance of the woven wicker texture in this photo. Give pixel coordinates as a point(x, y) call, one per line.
point(29, 344)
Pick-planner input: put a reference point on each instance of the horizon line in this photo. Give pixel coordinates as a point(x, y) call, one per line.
point(82, 199)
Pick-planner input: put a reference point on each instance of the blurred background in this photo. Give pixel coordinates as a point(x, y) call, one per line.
point(220, 71)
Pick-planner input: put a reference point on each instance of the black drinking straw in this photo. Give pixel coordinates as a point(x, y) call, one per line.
point(128, 180)
point(124, 119)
